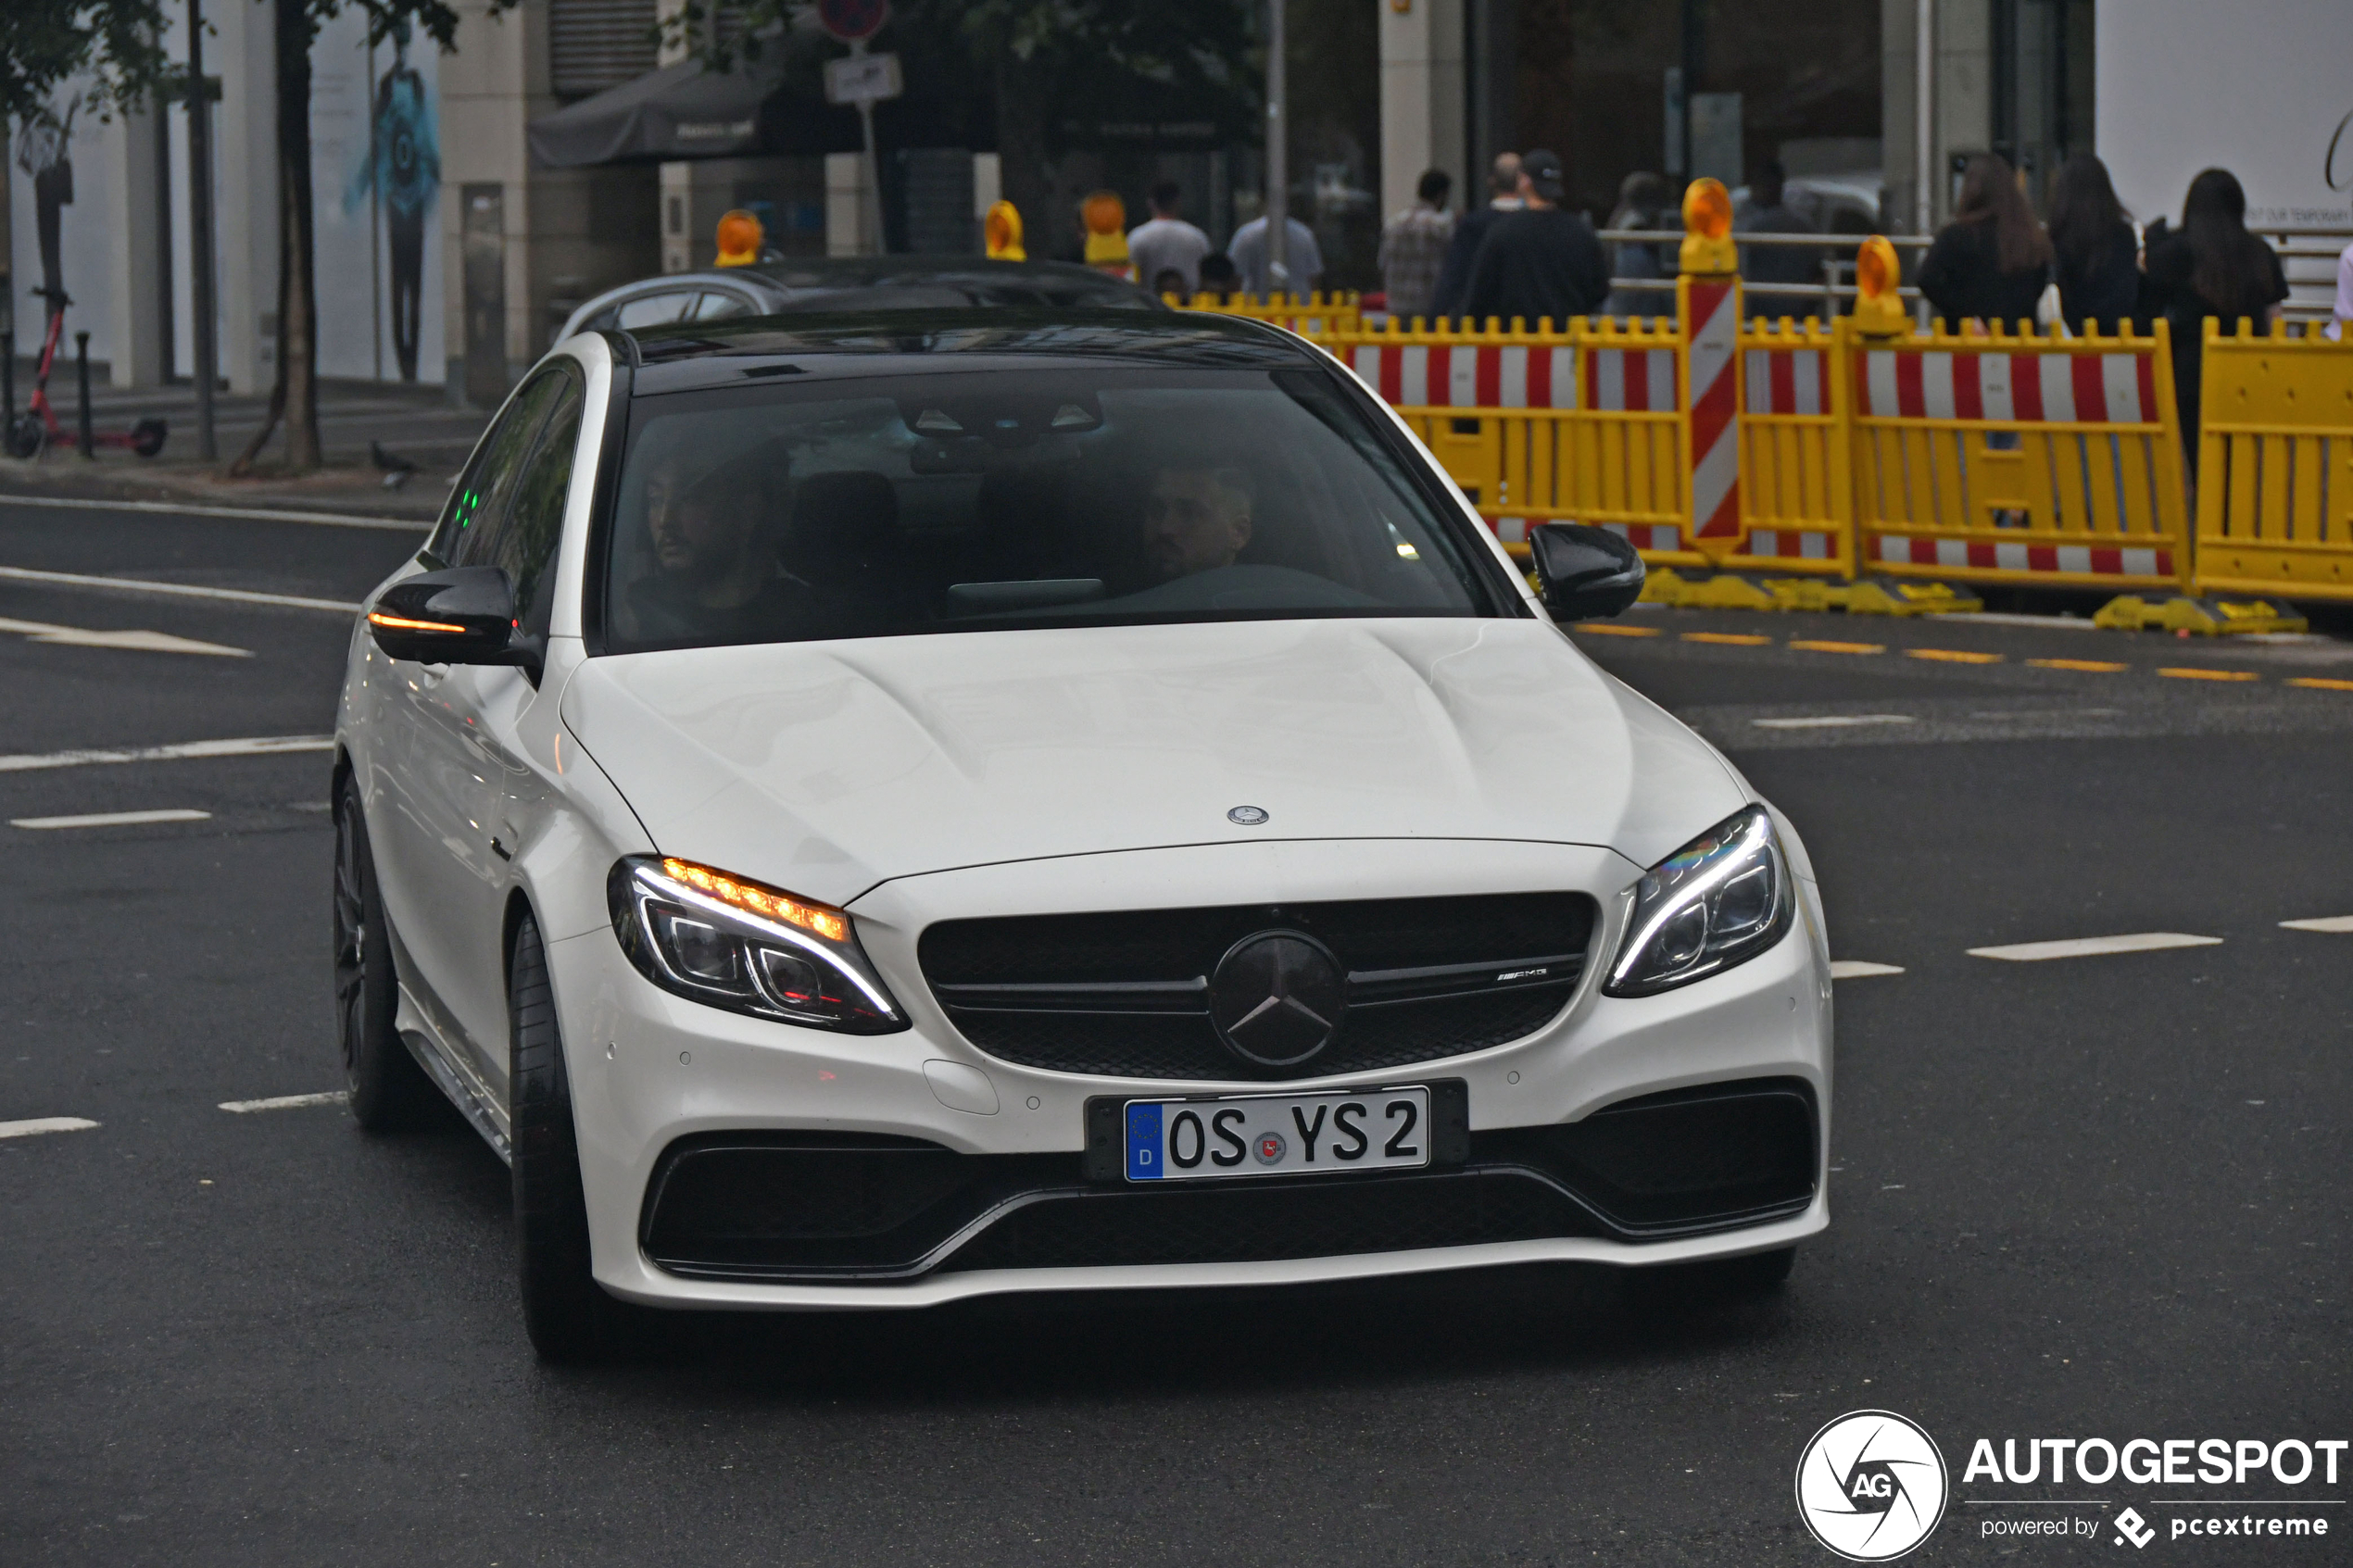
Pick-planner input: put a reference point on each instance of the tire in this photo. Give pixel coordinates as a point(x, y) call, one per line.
point(29, 436)
point(389, 1091)
point(569, 1317)
point(1717, 1282)
point(147, 437)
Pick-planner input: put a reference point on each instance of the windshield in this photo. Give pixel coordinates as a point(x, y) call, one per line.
point(991, 499)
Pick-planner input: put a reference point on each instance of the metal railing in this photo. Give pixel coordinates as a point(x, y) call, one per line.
point(1829, 292)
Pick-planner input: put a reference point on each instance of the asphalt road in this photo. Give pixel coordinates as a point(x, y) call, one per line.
point(2091, 1196)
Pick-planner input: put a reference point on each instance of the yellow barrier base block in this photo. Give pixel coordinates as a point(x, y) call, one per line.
point(1663, 585)
point(1725, 590)
point(1815, 594)
point(2204, 618)
point(1888, 596)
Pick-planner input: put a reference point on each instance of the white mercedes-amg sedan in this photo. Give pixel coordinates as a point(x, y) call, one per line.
point(866, 812)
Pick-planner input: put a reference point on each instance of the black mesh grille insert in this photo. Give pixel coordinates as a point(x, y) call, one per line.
point(1240, 1223)
point(1124, 993)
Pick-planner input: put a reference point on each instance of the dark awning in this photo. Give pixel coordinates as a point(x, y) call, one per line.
point(685, 112)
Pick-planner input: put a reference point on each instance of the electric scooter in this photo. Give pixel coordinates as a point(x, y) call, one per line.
point(38, 426)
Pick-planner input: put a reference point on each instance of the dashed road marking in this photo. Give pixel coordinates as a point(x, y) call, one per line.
point(141, 642)
point(1953, 655)
point(1728, 639)
point(1834, 721)
point(1856, 969)
point(2327, 922)
point(283, 1102)
point(2092, 946)
point(1808, 645)
point(2195, 672)
point(39, 1125)
point(178, 590)
point(2088, 666)
point(111, 818)
point(1606, 630)
point(261, 514)
point(258, 746)
point(2322, 684)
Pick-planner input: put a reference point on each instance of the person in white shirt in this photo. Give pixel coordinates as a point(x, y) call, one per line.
point(1248, 251)
point(2342, 316)
point(1167, 243)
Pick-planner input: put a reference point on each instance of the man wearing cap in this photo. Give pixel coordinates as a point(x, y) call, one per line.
point(1541, 263)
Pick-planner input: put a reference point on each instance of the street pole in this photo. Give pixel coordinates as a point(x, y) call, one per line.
point(1277, 160)
point(200, 253)
point(870, 225)
point(1924, 116)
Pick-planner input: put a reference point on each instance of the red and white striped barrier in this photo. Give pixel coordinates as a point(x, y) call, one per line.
point(1468, 375)
point(1788, 381)
point(2115, 389)
point(2083, 560)
point(1632, 380)
point(1791, 544)
point(1713, 309)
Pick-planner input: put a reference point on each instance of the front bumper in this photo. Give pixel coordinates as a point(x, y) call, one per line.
point(655, 1076)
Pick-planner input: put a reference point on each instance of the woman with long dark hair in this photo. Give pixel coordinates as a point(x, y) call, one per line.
point(2211, 267)
point(1993, 261)
point(2095, 253)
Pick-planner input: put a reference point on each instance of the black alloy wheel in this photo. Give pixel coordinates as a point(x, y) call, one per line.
point(389, 1091)
point(570, 1316)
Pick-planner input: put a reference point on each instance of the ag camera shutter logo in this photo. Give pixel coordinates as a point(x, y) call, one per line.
point(1871, 1486)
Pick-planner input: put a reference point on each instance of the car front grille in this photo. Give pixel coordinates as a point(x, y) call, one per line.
point(853, 1208)
point(1126, 993)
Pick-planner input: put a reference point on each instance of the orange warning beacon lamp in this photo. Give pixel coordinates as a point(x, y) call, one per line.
point(1707, 230)
point(741, 236)
point(1879, 312)
point(1106, 218)
point(1001, 232)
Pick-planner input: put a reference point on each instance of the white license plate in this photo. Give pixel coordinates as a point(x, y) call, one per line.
point(1172, 1141)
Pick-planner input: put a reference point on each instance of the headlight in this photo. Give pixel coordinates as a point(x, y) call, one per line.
point(1719, 900)
point(737, 945)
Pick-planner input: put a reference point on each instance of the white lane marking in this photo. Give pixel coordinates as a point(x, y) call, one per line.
point(111, 818)
point(283, 1102)
point(2328, 922)
point(144, 642)
point(180, 590)
point(1996, 618)
point(45, 1125)
point(1856, 969)
point(263, 514)
point(2092, 946)
point(1833, 721)
point(259, 745)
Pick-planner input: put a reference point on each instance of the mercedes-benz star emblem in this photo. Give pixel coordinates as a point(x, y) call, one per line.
point(1276, 998)
point(1247, 816)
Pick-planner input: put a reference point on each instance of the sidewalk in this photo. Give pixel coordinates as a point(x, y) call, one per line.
point(413, 423)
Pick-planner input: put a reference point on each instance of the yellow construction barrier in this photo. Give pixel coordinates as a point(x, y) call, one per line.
point(1796, 473)
point(2048, 461)
point(1315, 314)
point(2275, 467)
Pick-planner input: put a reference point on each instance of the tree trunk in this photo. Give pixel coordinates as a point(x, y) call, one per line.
point(297, 292)
point(1020, 154)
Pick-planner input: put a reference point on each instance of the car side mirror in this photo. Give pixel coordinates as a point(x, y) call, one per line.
point(1584, 571)
point(463, 615)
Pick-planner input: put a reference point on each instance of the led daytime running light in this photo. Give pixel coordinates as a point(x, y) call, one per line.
point(399, 624)
point(767, 903)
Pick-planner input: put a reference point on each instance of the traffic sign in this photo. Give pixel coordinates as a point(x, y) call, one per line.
point(851, 21)
point(862, 79)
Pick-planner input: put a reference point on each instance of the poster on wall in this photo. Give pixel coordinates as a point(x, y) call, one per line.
point(62, 186)
point(375, 172)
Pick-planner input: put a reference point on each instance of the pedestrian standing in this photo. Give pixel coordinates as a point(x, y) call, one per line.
point(2342, 316)
point(1541, 263)
point(1502, 196)
point(1248, 248)
point(1165, 243)
point(1642, 202)
point(1413, 248)
point(1993, 261)
point(2210, 269)
point(2093, 250)
point(1768, 212)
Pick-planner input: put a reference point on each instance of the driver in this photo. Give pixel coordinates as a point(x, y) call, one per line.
point(714, 563)
point(1198, 518)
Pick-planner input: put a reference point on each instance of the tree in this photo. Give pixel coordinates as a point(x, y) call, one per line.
point(293, 397)
point(115, 45)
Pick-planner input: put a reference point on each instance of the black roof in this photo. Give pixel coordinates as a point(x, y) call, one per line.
point(707, 354)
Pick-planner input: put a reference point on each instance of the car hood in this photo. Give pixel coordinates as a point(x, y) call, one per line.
point(826, 768)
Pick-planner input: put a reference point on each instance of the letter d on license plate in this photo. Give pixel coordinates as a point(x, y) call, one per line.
point(1277, 1134)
